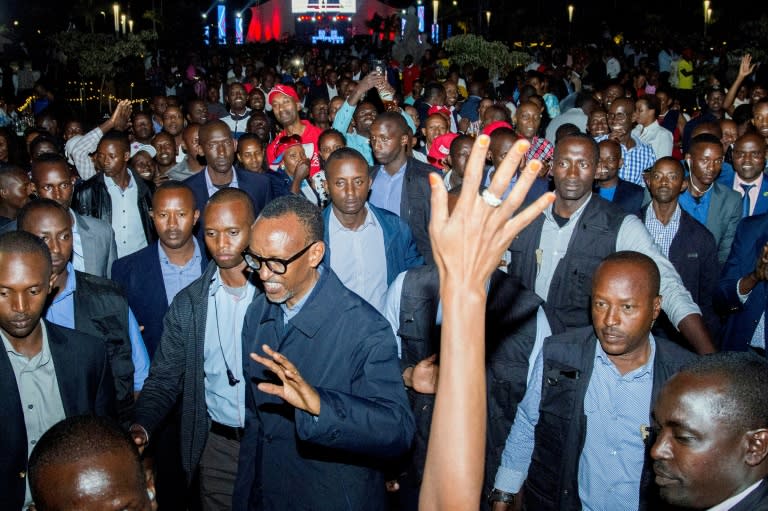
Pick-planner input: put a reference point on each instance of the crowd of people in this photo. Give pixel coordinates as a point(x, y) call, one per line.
point(343, 283)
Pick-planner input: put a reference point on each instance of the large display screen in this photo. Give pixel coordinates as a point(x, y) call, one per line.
point(342, 6)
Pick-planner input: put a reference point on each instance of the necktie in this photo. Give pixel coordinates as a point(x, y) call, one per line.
point(745, 203)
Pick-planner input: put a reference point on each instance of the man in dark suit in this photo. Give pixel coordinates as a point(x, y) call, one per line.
point(326, 89)
point(628, 196)
point(688, 245)
point(219, 145)
point(47, 372)
point(94, 248)
point(714, 205)
point(324, 434)
point(749, 178)
point(152, 276)
point(742, 292)
point(712, 434)
point(400, 183)
point(199, 360)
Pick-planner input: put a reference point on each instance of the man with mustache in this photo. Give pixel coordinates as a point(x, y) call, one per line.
point(713, 204)
point(199, 360)
point(712, 434)
point(589, 400)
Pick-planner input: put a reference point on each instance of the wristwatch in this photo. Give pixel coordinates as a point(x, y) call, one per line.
point(497, 495)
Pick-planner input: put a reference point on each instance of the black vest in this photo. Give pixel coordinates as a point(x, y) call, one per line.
point(510, 329)
point(101, 310)
point(552, 482)
point(594, 237)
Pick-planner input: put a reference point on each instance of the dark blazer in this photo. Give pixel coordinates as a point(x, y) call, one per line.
point(85, 385)
point(99, 248)
point(257, 186)
point(346, 351)
point(141, 278)
point(177, 372)
point(762, 195)
point(723, 217)
point(629, 197)
point(742, 319)
point(92, 199)
point(757, 500)
point(693, 253)
point(399, 247)
point(414, 203)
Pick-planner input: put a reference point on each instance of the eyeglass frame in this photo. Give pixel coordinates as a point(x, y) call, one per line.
point(251, 259)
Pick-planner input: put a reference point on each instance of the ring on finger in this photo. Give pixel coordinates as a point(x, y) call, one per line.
point(490, 199)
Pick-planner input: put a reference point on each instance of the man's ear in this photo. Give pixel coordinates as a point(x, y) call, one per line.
point(646, 178)
point(195, 217)
point(757, 447)
point(316, 253)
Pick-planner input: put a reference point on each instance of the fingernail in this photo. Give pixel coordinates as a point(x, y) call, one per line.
point(484, 140)
point(535, 165)
point(522, 146)
point(434, 179)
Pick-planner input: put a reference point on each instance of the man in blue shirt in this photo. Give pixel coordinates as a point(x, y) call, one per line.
point(579, 436)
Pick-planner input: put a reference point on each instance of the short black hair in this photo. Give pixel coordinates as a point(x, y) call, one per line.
point(208, 126)
point(231, 195)
point(583, 137)
point(171, 185)
point(566, 129)
point(49, 159)
point(346, 153)
point(79, 438)
point(668, 159)
point(118, 137)
point(744, 403)
point(9, 170)
point(252, 137)
point(704, 138)
point(651, 270)
point(395, 118)
point(37, 205)
point(460, 139)
point(44, 138)
point(309, 215)
point(651, 101)
point(433, 90)
point(21, 242)
point(331, 132)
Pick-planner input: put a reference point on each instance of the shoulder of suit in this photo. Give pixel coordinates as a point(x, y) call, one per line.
point(98, 282)
point(58, 333)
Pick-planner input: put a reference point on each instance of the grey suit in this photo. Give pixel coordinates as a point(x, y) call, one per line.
point(99, 248)
point(723, 217)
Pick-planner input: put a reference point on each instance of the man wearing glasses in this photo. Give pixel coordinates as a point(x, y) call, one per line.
point(199, 360)
point(326, 406)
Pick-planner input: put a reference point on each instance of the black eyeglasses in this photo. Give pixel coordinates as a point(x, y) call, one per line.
point(275, 265)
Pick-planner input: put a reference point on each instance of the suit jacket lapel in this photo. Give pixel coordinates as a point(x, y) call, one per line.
point(64, 357)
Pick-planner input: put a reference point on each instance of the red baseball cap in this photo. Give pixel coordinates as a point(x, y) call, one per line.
point(285, 143)
point(496, 125)
point(282, 89)
point(441, 146)
point(439, 109)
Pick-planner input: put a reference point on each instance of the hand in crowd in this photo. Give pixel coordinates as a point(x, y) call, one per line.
point(139, 436)
point(121, 115)
point(761, 266)
point(746, 67)
point(423, 376)
point(294, 390)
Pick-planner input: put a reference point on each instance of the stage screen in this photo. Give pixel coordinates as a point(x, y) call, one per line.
point(340, 6)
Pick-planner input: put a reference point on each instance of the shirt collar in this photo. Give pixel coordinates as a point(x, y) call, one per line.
point(209, 183)
point(216, 283)
point(370, 220)
point(45, 351)
point(675, 216)
point(69, 287)
point(164, 257)
point(641, 371)
point(550, 211)
point(300, 304)
point(737, 181)
point(399, 173)
point(111, 182)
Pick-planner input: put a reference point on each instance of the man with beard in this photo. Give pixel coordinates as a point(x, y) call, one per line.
point(285, 106)
point(50, 372)
point(749, 179)
point(714, 205)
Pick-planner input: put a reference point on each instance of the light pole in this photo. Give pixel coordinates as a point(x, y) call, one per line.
point(488, 22)
point(435, 26)
point(570, 21)
point(706, 18)
point(116, 11)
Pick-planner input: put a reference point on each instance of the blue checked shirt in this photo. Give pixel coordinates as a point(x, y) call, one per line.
point(636, 160)
point(662, 234)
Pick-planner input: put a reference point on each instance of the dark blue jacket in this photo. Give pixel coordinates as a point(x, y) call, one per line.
point(399, 246)
point(742, 319)
point(141, 278)
point(346, 350)
point(629, 197)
